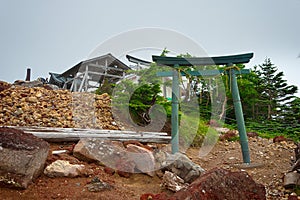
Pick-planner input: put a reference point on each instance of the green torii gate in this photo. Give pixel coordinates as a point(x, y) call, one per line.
point(229, 61)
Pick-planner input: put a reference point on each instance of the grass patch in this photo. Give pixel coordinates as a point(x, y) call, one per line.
point(194, 131)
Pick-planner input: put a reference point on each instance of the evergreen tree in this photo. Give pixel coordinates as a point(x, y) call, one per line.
point(273, 90)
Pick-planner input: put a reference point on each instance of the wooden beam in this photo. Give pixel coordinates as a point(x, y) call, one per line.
point(75, 134)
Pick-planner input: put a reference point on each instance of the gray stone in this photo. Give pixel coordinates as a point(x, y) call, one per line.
point(172, 182)
point(109, 153)
point(22, 157)
point(105, 151)
point(182, 166)
point(98, 185)
point(63, 168)
point(35, 83)
point(291, 179)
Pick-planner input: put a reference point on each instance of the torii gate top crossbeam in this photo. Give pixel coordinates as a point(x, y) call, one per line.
point(198, 61)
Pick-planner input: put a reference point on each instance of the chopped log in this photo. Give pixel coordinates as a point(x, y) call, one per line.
point(75, 134)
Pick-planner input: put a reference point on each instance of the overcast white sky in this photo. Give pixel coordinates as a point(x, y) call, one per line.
point(52, 36)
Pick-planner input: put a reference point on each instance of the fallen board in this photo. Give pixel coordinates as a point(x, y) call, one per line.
point(75, 134)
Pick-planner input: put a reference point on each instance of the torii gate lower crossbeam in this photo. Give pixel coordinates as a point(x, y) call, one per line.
point(176, 62)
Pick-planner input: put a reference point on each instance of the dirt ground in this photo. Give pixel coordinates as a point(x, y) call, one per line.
point(270, 161)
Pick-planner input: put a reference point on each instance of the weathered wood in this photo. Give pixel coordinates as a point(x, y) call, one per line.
point(75, 134)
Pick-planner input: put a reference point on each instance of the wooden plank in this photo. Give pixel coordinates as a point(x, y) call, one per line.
point(75, 134)
point(95, 131)
point(60, 137)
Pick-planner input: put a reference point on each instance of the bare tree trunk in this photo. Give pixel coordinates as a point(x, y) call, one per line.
point(223, 109)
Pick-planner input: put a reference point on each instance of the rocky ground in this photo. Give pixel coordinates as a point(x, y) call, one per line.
point(270, 161)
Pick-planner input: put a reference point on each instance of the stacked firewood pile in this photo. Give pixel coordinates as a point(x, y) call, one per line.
point(39, 106)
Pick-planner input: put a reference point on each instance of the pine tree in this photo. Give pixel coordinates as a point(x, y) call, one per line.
point(273, 90)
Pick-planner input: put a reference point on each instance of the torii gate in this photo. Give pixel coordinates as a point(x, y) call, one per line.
point(229, 61)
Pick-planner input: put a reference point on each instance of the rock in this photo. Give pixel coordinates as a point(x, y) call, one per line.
point(297, 152)
point(111, 154)
point(296, 166)
point(4, 85)
point(293, 196)
point(29, 84)
point(222, 184)
point(149, 196)
point(38, 106)
point(160, 158)
point(137, 143)
point(143, 158)
point(229, 135)
point(252, 134)
point(291, 179)
point(172, 182)
point(22, 157)
point(109, 171)
point(183, 167)
point(63, 168)
point(222, 129)
point(125, 167)
point(51, 87)
point(98, 185)
point(31, 99)
point(280, 138)
point(104, 151)
point(214, 123)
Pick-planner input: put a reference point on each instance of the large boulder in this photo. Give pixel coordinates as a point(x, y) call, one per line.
point(143, 159)
point(183, 167)
point(22, 157)
point(219, 184)
point(109, 153)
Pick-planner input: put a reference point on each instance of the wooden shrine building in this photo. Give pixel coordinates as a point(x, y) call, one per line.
point(90, 73)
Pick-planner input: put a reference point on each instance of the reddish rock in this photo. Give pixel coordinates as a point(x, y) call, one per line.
point(124, 174)
point(219, 184)
point(252, 134)
point(279, 139)
point(137, 143)
point(214, 123)
point(22, 157)
point(142, 157)
point(125, 167)
point(229, 135)
point(109, 171)
point(148, 196)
